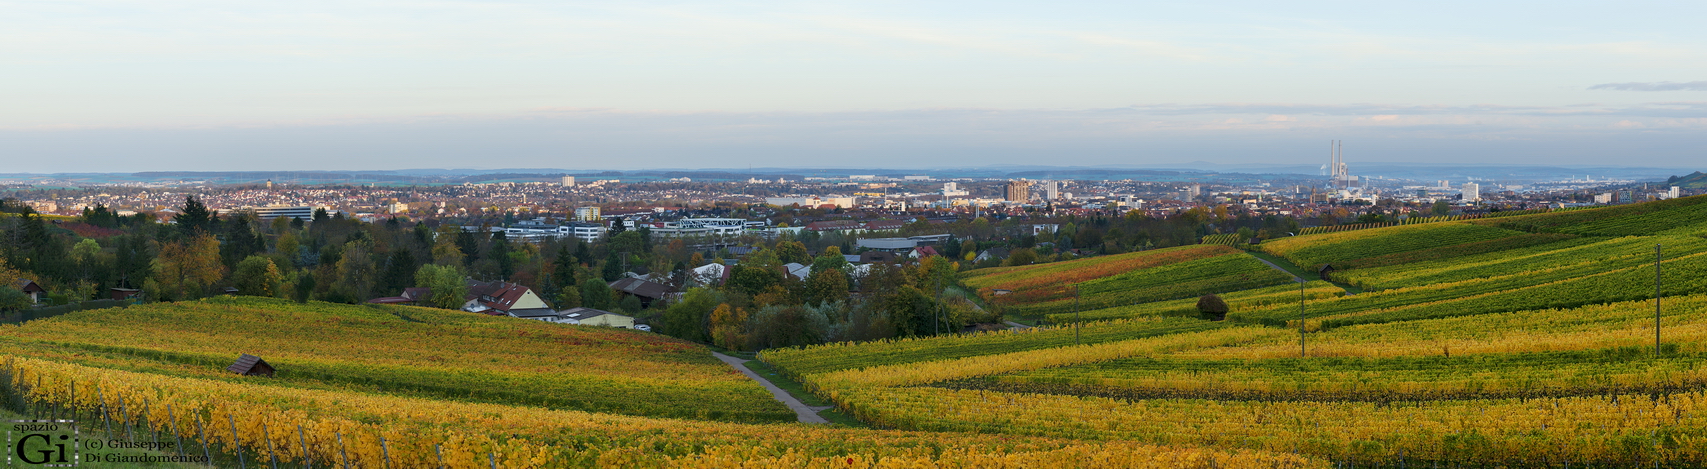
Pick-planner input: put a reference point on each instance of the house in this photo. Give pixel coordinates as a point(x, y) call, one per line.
point(877, 257)
point(504, 298)
point(922, 252)
point(834, 225)
point(997, 253)
point(32, 289)
point(647, 291)
point(797, 270)
point(709, 274)
point(594, 317)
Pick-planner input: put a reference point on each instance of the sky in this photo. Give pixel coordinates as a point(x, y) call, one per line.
point(361, 85)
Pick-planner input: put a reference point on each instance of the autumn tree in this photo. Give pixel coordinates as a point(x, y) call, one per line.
point(728, 327)
point(826, 286)
point(186, 270)
point(257, 276)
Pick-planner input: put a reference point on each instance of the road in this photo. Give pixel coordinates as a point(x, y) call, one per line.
point(806, 413)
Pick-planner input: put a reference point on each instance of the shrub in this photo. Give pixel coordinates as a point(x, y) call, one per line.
point(1212, 307)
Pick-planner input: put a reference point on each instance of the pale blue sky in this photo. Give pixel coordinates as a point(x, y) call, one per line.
point(353, 84)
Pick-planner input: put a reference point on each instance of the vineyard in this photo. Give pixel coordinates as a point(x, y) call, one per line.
point(1516, 339)
point(1223, 272)
point(416, 351)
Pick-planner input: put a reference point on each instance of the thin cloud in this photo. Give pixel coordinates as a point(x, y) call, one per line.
point(1657, 86)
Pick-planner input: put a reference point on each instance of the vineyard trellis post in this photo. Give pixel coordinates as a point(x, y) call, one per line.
point(1076, 321)
point(342, 453)
point(272, 455)
point(104, 419)
point(173, 417)
point(1301, 283)
point(307, 461)
point(207, 456)
point(236, 444)
point(438, 450)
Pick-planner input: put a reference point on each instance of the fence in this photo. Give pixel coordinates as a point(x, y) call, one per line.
point(14, 317)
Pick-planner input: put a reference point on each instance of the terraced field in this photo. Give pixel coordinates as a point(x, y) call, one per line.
point(1525, 340)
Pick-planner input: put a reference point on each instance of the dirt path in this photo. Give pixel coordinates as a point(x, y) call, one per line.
point(1279, 268)
point(1349, 290)
point(806, 413)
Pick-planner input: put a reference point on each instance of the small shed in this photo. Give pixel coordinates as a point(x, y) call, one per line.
point(122, 294)
point(32, 289)
point(250, 365)
point(1325, 270)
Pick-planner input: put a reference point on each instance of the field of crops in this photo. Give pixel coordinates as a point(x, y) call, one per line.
point(351, 429)
point(419, 351)
point(1566, 386)
point(1350, 246)
point(1189, 279)
point(1238, 301)
point(1687, 215)
point(1524, 340)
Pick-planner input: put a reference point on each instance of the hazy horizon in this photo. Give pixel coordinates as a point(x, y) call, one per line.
point(125, 87)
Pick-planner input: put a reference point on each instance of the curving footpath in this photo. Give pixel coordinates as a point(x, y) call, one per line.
point(806, 413)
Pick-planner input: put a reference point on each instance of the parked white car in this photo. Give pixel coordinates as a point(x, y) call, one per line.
point(643, 327)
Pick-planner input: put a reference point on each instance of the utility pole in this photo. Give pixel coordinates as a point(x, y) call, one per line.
point(1301, 283)
point(1656, 300)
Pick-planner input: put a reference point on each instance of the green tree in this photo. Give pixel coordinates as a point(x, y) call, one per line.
point(356, 271)
point(826, 286)
point(685, 319)
point(257, 276)
point(399, 271)
point(194, 218)
point(13, 299)
point(449, 291)
point(1442, 208)
point(830, 259)
point(596, 294)
point(627, 242)
point(792, 251)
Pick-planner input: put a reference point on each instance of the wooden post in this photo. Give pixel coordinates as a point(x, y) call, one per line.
point(439, 451)
point(342, 454)
point(493, 459)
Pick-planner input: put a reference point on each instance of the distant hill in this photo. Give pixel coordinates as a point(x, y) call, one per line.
point(1695, 180)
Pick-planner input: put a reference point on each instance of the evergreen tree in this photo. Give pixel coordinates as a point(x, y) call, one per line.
point(194, 217)
point(399, 272)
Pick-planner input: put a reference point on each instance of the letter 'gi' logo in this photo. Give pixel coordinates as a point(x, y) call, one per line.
point(43, 443)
